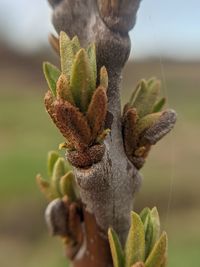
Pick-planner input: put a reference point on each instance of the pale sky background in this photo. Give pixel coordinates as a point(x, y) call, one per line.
point(165, 28)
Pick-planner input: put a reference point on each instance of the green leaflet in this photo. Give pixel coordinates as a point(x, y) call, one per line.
point(151, 221)
point(135, 93)
point(156, 226)
point(51, 160)
point(135, 244)
point(58, 171)
point(116, 249)
point(67, 186)
point(66, 54)
point(144, 214)
point(146, 96)
point(159, 105)
point(158, 253)
point(75, 44)
point(61, 179)
point(79, 81)
point(148, 229)
point(51, 74)
point(91, 51)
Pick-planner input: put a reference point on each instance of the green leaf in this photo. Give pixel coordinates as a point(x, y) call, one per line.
point(66, 54)
point(116, 249)
point(148, 229)
point(51, 160)
point(158, 253)
point(51, 74)
point(135, 244)
point(144, 214)
point(159, 105)
point(75, 44)
point(58, 171)
point(91, 51)
point(135, 93)
point(67, 186)
point(146, 96)
point(80, 80)
point(156, 226)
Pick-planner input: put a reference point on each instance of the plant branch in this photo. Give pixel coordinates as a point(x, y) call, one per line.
point(107, 188)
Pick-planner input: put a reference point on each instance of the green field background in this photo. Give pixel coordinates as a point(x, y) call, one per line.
point(171, 175)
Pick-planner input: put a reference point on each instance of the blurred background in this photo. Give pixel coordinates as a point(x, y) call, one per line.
point(166, 44)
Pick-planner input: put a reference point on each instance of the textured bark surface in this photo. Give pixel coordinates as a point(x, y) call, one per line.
point(107, 188)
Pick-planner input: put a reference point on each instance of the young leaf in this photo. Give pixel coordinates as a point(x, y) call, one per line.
point(159, 105)
point(72, 124)
point(75, 45)
point(67, 186)
point(66, 54)
point(51, 160)
point(129, 122)
point(51, 74)
point(91, 51)
point(80, 80)
point(142, 127)
point(135, 244)
point(156, 226)
point(144, 214)
point(148, 229)
point(63, 89)
point(147, 97)
point(97, 110)
point(116, 249)
point(104, 77)
point(135, 93)
point(58, 171)
point(158, 253)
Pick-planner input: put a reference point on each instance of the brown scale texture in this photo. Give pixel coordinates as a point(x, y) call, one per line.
point(87, 157)
point(129, 122)
point(97, 110)
point(48, 101)
point(73, 124)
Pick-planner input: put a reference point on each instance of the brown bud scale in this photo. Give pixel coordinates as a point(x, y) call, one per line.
point(86, 158)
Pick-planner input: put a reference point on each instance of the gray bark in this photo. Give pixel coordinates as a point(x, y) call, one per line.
point(107, 188)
